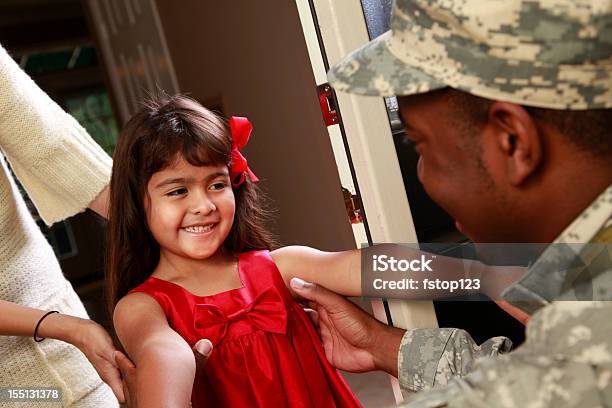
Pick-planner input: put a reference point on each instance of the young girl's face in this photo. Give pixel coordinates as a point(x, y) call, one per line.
point(190, 209)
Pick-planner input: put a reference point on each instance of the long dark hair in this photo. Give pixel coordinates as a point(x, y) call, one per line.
point(168, 126)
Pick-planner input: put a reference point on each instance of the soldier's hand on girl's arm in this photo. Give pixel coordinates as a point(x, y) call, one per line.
point(353, 340)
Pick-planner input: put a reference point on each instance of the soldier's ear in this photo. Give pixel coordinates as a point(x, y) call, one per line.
point(517, 140)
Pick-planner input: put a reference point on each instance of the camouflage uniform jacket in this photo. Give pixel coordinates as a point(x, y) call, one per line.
point(566, 360)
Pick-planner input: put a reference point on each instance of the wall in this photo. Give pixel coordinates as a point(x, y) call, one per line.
point(250, 57)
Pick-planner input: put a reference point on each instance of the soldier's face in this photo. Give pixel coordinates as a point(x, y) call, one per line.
point(451, 166)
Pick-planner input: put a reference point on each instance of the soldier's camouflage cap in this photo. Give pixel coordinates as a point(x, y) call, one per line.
point(547, 53)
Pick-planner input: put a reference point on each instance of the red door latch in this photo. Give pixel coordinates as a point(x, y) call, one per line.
point(328, 104)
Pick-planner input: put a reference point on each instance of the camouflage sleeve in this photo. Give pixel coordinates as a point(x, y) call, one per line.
point(519, 380)
point(565, 362)
point(429, 357)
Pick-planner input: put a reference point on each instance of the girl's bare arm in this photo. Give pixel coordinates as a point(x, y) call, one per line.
point(338, 271)
point(341, 271)
point(164, 362)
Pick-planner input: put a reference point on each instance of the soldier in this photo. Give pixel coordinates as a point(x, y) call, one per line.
point(508, 103)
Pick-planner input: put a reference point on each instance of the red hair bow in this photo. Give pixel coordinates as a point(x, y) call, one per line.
point(241, 130)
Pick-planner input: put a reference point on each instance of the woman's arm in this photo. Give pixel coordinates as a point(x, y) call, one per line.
point(87, 335)
point(100, 203)
point(164, 362)
point(17, 320)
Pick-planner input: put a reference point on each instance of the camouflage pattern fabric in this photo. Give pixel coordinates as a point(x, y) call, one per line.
point(575, 271)
point(548, 53)
point(437, 355)
point(566, 360)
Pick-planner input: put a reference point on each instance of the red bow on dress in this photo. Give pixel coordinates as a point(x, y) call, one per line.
point(266, 312)
point(241, 130)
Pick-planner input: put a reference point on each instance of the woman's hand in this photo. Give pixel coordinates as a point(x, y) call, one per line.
point(201, 351)
point(128, 376)
point(93, 340)
point(87, 335)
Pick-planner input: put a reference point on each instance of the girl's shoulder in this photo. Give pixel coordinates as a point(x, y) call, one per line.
point(135, 299)
point(259, 269)
point(257, 254)
point(152, 292)
point(290, 259)
point(293, 254)
point(134, 306)
point(261, 258)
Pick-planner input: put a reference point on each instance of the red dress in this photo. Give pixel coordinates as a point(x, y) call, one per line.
point(266, 351)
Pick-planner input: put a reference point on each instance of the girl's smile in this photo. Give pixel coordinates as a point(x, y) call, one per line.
point(199, 229)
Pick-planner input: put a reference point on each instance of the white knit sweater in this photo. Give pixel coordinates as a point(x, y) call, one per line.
point(63, 170)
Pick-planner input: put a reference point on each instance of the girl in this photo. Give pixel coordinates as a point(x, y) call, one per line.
point(189, 259)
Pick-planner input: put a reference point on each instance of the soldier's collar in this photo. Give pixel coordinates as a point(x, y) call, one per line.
point(546, 279)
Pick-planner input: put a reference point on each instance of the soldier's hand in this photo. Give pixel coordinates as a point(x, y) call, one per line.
point(353, 340)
